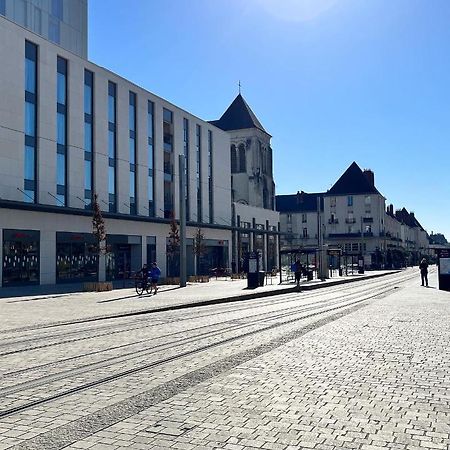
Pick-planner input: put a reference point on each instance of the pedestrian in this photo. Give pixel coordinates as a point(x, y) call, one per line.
point(298, 271)
point(423, 266)
point(155, 273)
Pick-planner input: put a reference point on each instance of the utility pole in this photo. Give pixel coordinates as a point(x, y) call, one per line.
point(181, 161)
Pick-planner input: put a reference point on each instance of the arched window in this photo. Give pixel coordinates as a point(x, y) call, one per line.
point(233, 159)
point(242, 161)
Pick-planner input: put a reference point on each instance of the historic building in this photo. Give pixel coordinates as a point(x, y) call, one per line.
point(355, 219)
point(253, 188)
point(69, 129)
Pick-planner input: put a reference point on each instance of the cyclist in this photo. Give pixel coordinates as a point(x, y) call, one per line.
point(144, 273)
point(154, 274)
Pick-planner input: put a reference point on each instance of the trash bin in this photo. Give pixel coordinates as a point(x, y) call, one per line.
point(252, 280)
point(261, 278)
point(340, 271)
point(309, 275)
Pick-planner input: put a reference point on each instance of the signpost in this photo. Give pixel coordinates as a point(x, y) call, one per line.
point(253, 270)
point(444, 268)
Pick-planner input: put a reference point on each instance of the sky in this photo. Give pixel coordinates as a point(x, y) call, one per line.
point(333, 81)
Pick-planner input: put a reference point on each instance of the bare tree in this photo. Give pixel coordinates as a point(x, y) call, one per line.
point(198, 248)
point(173, 246)
point(99, 232)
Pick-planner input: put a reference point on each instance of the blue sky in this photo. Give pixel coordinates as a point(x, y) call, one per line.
point(333, 81)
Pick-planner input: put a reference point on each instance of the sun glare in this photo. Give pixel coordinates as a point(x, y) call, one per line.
point(296, 10)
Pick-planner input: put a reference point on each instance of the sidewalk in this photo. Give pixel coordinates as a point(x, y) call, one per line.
point(41, 310)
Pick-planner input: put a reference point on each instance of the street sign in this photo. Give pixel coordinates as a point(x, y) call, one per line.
point(444, 268)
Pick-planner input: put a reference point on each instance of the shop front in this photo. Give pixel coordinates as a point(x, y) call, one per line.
point(124, 256)
point(76, 259)
point(21, 257)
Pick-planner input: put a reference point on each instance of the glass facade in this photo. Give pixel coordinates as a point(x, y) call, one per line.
point(75, 259)
point(168, 163)
point(21, 260)
point(88, 138)
point(30, 125)
point(133, 150)
point(210, 177)
point(186, 163)
point(63, 22)
point(61, 132)
point(112, 143)
point(150, 157)
point(198, 152)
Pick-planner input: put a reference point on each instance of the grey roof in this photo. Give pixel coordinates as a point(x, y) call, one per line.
point(353, 181)
point(238, 116)
point(300, 202)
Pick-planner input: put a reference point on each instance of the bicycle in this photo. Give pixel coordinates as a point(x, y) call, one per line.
point(142, 284)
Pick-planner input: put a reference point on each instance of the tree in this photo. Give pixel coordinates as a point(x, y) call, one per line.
point(173, 246)
point(99, 232)
point(198, 248)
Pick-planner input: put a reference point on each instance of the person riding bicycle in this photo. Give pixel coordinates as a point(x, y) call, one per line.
point(154, 275)
point(144, 273)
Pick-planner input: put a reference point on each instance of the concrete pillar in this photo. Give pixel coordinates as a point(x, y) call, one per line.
point(144, 250)
point(161, 254)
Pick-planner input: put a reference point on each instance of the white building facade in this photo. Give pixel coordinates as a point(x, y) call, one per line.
point(69, 129)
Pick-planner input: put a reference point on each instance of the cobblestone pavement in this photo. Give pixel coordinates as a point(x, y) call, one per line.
point(19, 312)
point(308, 374)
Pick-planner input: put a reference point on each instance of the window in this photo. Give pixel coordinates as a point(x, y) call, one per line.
point(198, 139)
point(57, 9)
point(367, 200)
point(87, 94)
point(132, 150)
point(186, 163)
point(305, 232)
point(150, 131)
point(30, 110)
point(3, 7)
point(168, 134)
point(289, 218)
point(242, 161)
point(30, 76)
point(350, 200)
point(30, 119)
point(333, 202)
point(88, 137)
point(61, 132)
point(210, 177)
point(112, 145)
point(54, 30)
point(304, 218)
point(233, 159)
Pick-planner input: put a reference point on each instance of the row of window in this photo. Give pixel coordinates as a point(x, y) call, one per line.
point(62, 108)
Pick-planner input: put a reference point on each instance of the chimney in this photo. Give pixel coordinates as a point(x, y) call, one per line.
point(370, 177)
point(391, 209)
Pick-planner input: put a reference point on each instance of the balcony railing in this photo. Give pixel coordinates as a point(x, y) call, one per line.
point(350, 220)
point(368, 219)
point(333, 221)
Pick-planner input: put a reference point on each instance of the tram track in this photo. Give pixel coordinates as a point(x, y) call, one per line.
point(115, 328)
point(176, 307)
point(320, 309)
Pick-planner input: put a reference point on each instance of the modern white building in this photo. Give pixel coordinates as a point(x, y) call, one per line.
point(69, 129)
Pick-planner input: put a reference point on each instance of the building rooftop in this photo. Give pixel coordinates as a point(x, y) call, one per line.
point(353, 181)
point(299, 202)
point(238, 116)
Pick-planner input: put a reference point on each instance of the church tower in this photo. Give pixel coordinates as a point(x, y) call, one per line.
point(251, 156)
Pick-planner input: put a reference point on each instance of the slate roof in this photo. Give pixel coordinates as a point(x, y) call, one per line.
point(238, 116)
point(353, 181)
point(402, 215)
point(300, 202)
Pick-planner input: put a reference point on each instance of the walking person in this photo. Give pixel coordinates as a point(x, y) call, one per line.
point(298, 271)
point(423, 266)
point(155, 273)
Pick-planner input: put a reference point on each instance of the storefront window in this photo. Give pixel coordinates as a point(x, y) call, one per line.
point(75, 257)
point(20, 257)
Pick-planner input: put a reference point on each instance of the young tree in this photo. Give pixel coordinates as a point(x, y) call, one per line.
point(99, 232)
point(198, 248)
point(173, 246)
